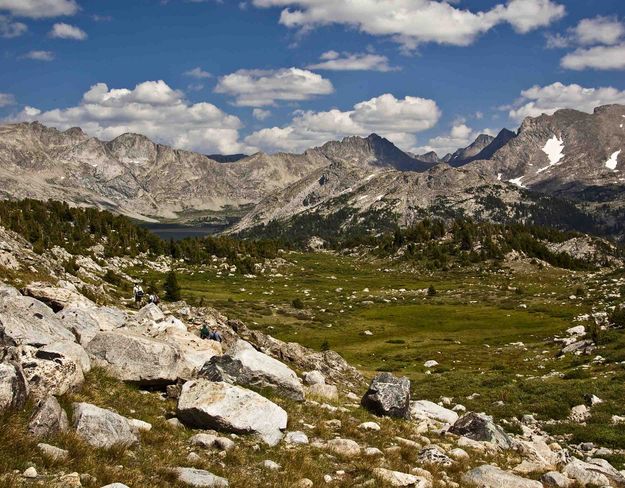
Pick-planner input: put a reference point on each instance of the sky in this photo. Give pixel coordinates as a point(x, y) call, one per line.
point(232, 76)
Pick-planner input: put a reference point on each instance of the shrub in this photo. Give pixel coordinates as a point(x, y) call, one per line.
point(171, 287)
point(298, 303)
point(431, 291)
point(618, 317)
point(325, 345)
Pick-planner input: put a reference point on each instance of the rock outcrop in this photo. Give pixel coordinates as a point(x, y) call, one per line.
point(216, 405)
point(388, 395)
point(101, 427)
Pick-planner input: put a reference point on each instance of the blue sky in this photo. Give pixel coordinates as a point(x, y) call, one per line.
point(241, 76)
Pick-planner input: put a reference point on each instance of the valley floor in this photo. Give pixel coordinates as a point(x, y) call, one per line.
point(490, 331)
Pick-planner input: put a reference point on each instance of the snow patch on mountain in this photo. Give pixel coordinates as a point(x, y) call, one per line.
point(613, 161)
point(554, 149)
point(518, 182)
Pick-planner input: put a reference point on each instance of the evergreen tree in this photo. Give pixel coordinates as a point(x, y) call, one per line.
point(171, 287)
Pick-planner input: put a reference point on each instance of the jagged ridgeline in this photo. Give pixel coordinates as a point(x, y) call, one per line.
point(52, 223)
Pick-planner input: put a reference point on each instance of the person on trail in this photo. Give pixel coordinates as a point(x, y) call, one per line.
point(204, 332)
point(215, 336)
point(153, 298)
point(138, 293)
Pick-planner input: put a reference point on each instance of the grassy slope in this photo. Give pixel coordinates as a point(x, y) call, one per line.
point(469, 327)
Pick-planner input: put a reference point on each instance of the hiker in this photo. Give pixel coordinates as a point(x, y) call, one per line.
point(153, 298)
point(138, 293)
point(215, 336)
point(204, 332)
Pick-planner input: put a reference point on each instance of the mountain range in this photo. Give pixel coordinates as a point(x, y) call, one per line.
point(563, 169)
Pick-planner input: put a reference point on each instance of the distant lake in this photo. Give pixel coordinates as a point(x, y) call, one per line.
point(176, 232)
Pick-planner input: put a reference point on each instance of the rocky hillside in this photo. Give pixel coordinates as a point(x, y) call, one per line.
point(134, 176)
point(110, 396)
point(570, 158)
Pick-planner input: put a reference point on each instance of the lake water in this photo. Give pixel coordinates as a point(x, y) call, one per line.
point(176, 232)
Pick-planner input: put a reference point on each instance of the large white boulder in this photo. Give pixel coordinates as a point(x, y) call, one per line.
point(221, 406)
point(25, 320)
point(426, 410)
point(101, 427)
point(68, 349)
point(56, 297)
point(195, 351)
point(86, 321)
point(246, 366)
point(149, 313)
point(49, 375)
point(488, 476)
point(134, 358)
point(595, 472)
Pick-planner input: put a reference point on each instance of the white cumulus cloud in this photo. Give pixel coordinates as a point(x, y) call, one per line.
point(198, 73)
point(62, 30)
point(38, 9)
point(547, 99)
point(6, 99)
point(396, 119)
point(598, 57)
point(413, 22)
point(334, 61)
point(258, 88)
point(10, 28)
point(39, 55)
point(151, 108)
point(261, 114)
point(599, 30)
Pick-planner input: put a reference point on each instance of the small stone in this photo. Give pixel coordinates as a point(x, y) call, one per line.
point(303, 483)
point(193, 457)
point(344, 447)
point(430, 364)
point(553, 479)
point(296, 438)
point(372, 452)
point(175, 423)
point(459, 454)
point(314, 377)
point(30, 473)
point(53, 452)
point(271, 465)
point(224, 443)
point(369, 426)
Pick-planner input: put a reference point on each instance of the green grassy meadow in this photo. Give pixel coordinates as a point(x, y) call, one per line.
point(490, 330)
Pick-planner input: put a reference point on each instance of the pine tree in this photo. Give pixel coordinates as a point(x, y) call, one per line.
point(171, 287)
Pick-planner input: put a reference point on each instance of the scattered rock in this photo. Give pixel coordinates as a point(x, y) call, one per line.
point(388, 395)
point(434, 455)
point(30, 473)
point(579, 414)
point(480, 427)
point(52, 452)
point(55, 376)
point(344, 447)
point(314, 377)
point(396, 478)
point(296, 438)
point(101, 427)
point(426, 410)
point(57, 298)
point(199, 477)
point(49, 418)
point(271, 465)
point(369, 426)
point(487, 476)
point(553, 479)
point(323, 391)
point(214, 405)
